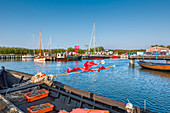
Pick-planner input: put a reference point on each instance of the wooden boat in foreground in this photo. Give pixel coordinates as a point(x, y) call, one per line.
point(61, 96)
point(156, 66)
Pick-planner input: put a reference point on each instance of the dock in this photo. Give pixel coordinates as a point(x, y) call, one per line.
point(151, 57)
point(10, 57)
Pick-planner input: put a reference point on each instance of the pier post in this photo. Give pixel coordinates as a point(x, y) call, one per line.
point(140, 59)
point(131, 61)
point(168, 61)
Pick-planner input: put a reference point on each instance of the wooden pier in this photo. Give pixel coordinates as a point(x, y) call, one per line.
point(152, 57)
point(10, 57)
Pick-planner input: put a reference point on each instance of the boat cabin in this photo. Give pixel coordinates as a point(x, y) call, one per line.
point(61, 55)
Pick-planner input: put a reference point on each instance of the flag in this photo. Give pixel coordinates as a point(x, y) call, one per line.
point(71, 70)
point(102, 67)
point(89, 64)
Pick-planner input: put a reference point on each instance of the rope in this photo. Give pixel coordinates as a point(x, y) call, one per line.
point(77, 72)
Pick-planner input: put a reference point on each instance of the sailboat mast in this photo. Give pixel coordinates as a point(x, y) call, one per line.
point(50, 43)
point(40, 42)
point(94, 39)
point(34, 41)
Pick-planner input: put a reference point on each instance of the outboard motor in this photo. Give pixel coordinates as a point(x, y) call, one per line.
point(129, 106)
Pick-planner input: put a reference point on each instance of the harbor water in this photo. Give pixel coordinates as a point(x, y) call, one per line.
point(122, 81)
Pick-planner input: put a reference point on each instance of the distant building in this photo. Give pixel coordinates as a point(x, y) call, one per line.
point(157, 49)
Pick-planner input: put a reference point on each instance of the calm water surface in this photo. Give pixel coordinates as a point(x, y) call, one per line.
point(117, 83)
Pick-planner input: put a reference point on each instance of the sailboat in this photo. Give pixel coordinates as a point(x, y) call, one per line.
point(94, 56)
point(39, 58)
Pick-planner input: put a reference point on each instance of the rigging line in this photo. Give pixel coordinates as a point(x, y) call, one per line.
point(42, 45)
point(49, 45)
point(91, 38)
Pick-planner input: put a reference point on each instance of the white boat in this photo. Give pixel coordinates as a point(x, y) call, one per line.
point(39, 58)
point(27, 57)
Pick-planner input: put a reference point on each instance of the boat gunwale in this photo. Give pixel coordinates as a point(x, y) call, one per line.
point(152, 63)
point(153, 66)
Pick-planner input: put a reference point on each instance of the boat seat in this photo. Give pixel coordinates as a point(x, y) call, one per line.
point(20, 88)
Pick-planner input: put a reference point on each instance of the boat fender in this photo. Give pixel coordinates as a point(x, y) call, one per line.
point(129, 106)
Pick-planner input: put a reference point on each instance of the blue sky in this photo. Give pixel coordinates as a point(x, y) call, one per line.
point(127, 24)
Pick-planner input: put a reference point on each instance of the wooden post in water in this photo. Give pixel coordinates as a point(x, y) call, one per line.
point(156, 55)
point(131, 62)
point(141, 59)
point(168, 61)
point(144, 105)
point(143, 56)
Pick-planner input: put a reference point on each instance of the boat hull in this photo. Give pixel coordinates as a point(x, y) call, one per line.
point(155, 66)
point(39, 59)
point(65, 97)
point(69, 58)
point(96, 57)
point(115, 57)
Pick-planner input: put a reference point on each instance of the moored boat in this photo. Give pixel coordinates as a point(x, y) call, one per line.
point(27, 57)
point(155, 66)
point(61, 96)
point(115, 56)
point(95, 57)
point(40, 58)
point(65, 57)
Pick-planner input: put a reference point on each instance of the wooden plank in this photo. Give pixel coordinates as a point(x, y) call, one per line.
point(83, 100)
point(20, 88)
point(19, 73)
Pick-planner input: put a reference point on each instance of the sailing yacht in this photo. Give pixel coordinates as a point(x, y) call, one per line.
point(39, 58)
point(94, 56)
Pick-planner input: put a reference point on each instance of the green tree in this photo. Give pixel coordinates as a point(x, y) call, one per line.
point(157, 45)
point(168, 46)
point(70, 49)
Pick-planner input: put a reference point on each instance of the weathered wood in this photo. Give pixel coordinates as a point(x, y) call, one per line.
point(19, 74)
point(83, 100)
point(168, 61)
point(7, 106)
point(20, 88)
point(157, 66)
point(131, 61)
